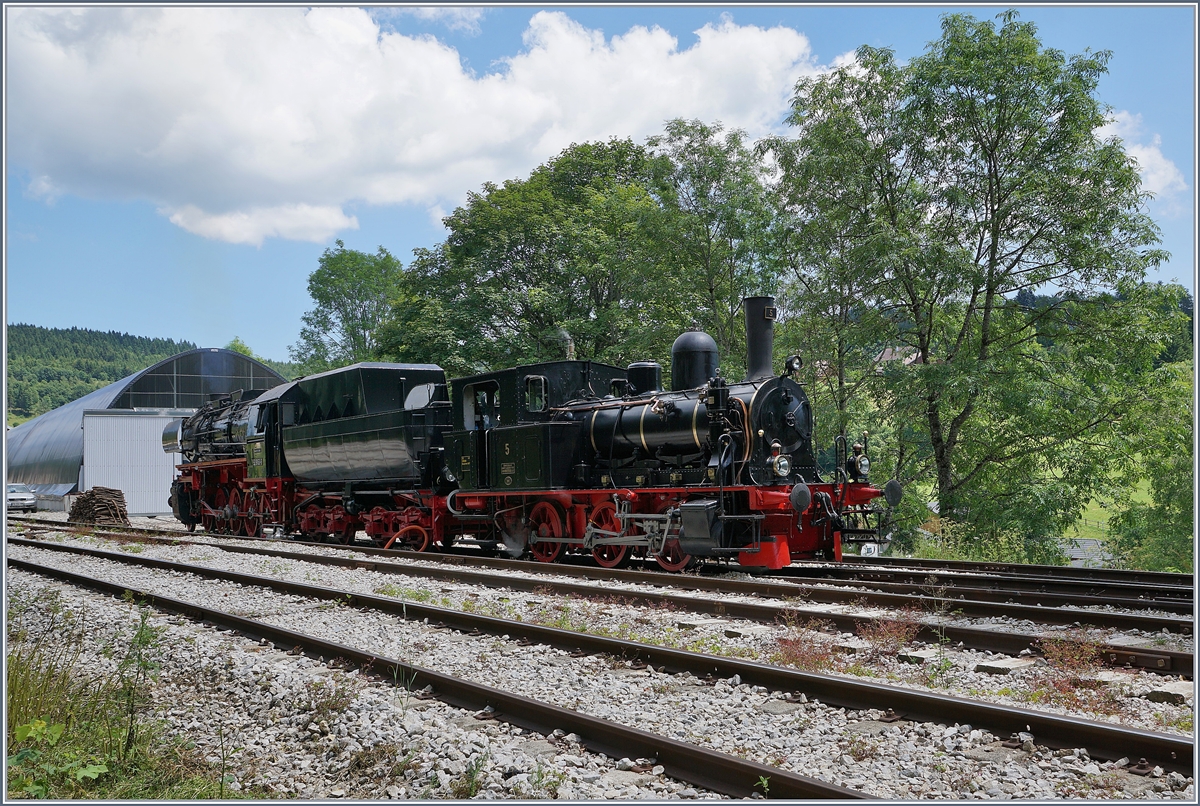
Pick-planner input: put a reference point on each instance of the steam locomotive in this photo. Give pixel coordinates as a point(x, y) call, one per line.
point(543, 460)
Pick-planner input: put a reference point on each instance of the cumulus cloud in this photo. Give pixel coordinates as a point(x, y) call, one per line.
point(247, 123)
point(296, 222)
point(1160, 175)
point(463, 19)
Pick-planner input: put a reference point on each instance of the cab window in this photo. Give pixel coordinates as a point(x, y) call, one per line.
point(535, 393)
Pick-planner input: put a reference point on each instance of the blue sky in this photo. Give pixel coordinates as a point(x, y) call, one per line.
point(177, 172)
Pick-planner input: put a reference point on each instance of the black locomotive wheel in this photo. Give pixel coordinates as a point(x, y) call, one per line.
point(546, 521)
point(673, 558)
point(604, 516)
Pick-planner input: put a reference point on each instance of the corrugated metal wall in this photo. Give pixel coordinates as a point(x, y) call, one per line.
point(123, 450)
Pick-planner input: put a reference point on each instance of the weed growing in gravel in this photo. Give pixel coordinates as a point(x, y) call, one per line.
point(804, 649)
point(469, 783)
point(398, 592)
point(77, 733)
point(543, 783)
point(1184, 721)
point(132, 548)
point(935, 672)
point(857, 669)
point(1073, 653)
point(331, 695)
point(887, 637)
point(860, 748)
point(1066, 682)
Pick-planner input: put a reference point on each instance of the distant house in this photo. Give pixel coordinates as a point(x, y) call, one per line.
point(908, 355)
point(1086, 552)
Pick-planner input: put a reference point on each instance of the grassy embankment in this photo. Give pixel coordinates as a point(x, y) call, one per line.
point(87, 730)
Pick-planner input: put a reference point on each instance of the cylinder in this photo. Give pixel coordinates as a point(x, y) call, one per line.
point(644, 376)
point(760, 336)
point(693, 360)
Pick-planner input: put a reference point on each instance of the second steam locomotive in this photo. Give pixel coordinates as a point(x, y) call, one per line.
point(543, 460)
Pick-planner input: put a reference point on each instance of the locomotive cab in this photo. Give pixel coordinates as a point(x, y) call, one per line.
point(512, 437)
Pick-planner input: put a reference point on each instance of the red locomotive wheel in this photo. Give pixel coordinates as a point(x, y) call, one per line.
point(673, 558)
point(236, 522)
point(604, 516)
point(217, 523)
point(254, 516)
point(546, 521)
point(410, 538)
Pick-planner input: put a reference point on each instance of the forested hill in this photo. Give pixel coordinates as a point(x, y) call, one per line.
point(48, 367)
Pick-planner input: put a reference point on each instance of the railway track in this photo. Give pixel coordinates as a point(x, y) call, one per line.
point(1012, 584)
point(1064, 572)
point(799, 603)
point(1143, 590)
point(1102, 740)
point(700, 766)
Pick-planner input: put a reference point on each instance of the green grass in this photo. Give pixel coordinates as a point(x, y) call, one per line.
point(1093, 522)
point(74, 732)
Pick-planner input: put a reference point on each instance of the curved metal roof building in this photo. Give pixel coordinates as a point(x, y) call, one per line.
point(47, 452)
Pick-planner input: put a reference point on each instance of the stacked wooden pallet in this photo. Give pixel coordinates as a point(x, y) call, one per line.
point(103, 506)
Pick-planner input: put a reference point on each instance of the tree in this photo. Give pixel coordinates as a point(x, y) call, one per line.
point(840, 201)
point(352, 292)
point(535, 268)
point(969, 175)
point(718, 227)
point(1157, 536)
point(239, 346)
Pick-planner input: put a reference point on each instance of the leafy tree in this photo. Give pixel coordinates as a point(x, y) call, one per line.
point(718, 228)
point(352, 292)
point(239, 346)
point(535, 267)
point(1158, 535)
point(969, 175)
point(287, 369)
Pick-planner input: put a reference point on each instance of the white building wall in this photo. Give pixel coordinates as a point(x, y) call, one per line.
point(122, 449)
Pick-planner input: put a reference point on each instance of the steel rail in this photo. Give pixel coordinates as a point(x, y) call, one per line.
point(1010, 582)
point(1111, 586)
point(1059, 571)
point(1105, 741)
point(1010, 643)
point(694, 764)
point(971, 600)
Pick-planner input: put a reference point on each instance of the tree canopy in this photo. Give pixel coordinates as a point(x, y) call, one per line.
point(923, 198)
point(352, 293)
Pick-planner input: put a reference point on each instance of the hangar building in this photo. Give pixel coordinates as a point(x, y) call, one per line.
point(112, 437)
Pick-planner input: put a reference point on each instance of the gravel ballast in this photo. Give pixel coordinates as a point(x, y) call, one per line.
point(848, 749)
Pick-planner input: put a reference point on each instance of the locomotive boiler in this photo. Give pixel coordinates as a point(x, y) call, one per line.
point(540, 460)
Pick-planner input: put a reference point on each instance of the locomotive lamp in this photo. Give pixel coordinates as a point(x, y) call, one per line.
point(782, 465)
point(864, 466)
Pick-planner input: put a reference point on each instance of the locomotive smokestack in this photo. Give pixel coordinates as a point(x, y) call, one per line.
point(760, 336)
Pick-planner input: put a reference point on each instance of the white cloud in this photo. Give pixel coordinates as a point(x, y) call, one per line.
point(246, 123)
point(296, 222)
point(464, 19)
point(1160, 175)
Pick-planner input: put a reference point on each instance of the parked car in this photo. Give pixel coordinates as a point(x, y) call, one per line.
point(21, 498)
